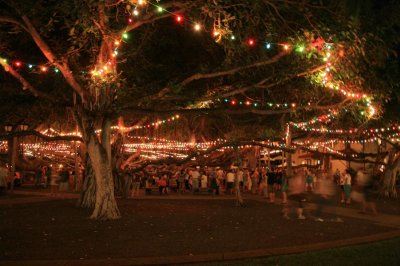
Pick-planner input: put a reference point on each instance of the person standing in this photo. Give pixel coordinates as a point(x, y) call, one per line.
point(309, 181)
point(136, 179)
point(54, 178)
point(347, 186)
point(271, 180)
point(240, 176)
point(181, 181)
point(214, 182)
point(3, 176)
point(203, 180)
point(239, 199)
point(221, 177)
point(38, 176)
point(254, 180)
point(230, 179)
point(64, 179)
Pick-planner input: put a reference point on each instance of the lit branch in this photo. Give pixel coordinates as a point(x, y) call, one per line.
point(63, 67)
point(25, 83)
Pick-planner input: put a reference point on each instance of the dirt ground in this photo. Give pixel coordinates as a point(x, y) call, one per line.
point(56, 229)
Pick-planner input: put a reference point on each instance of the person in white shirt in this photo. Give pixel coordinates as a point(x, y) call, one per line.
point(204, 180)
point(230, 179)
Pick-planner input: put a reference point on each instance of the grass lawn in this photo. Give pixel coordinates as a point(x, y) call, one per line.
point(379, 253)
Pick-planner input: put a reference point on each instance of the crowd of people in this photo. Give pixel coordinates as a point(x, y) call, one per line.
point(62, 179)
point(216, 180)
point(269, 183)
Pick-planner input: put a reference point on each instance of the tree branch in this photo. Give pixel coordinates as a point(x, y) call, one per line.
point(233, 70)
point(25, 83)
point(13, 21)
point(231, 111)
point(63, 66)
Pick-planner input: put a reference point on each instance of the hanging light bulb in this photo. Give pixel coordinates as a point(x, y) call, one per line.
point(251, 42)
point(197, 27)
point(179, 18)
point(286, 47)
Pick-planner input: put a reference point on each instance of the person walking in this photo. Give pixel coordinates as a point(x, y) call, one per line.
point(296, 193)
point(363, 188)
point(325, 191)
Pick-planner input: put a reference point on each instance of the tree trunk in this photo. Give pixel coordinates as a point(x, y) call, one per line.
point(289, 168)
point(105, 205)
point(389, 177)
point(87, 197)
point(99, 151)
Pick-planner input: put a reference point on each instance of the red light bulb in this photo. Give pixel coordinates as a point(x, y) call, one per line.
point(251, 42)
point(179, 18)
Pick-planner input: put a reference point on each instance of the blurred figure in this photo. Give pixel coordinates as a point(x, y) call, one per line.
point(296, 193)
point(230, 179)
point(64, 179)
point(325, 191)
point(3, 177)
point(346, 194)
point(336, 176)
point(38, 176)
point(271, 180)
point(239, 199)
point(162, 185)
point(254, 180)
point(181, 181)
point(54, 178)
point(284, 187)
point(363, 192)
point(136, 179)
point(214, 182)
point(309, 181)
point(203, 180)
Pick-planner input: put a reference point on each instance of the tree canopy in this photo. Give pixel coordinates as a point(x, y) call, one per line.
point(238, 71)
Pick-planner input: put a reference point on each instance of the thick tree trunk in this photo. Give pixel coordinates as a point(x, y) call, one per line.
point(87, 197)
point(99, 151)
point(105, 205)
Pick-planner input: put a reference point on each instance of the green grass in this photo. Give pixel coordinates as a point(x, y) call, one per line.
point(380, 253)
